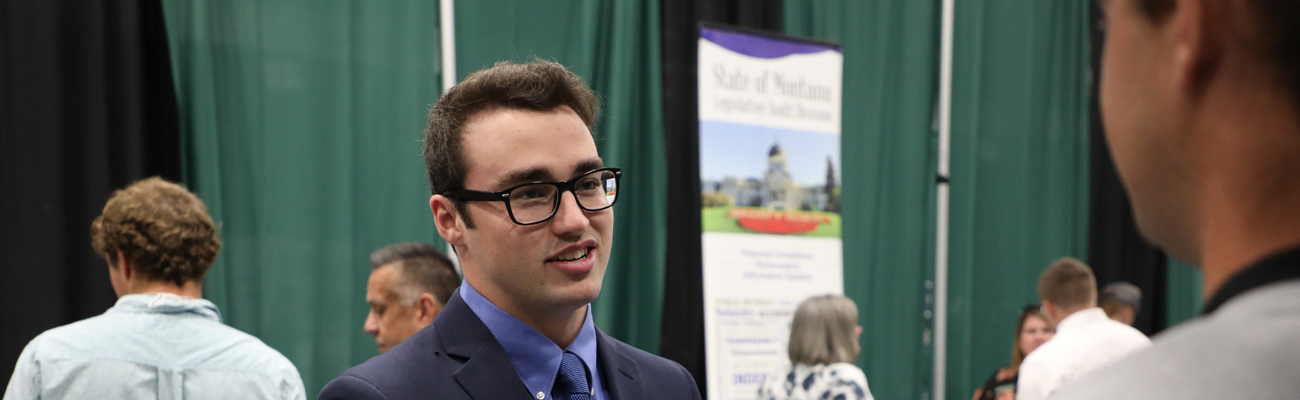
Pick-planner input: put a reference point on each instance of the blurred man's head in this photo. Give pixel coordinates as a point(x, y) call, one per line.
point(1067, 286)
point(409, 284)
point(156, 237)
point(1199, 102)
point(1121, 301)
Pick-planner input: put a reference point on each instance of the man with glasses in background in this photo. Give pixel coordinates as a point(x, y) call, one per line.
point(523, 197)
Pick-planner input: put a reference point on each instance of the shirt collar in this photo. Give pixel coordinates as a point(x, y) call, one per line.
point(1276, 268)
point(165, 303)
point(1083, 317)
point(536, 359)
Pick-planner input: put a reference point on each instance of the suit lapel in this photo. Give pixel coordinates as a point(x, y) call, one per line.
point(487, 374)
point(618, 372)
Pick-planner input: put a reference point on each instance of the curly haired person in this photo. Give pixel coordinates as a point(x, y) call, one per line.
point(161, 339)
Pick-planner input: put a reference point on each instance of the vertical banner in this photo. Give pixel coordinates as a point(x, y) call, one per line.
point(769, 177)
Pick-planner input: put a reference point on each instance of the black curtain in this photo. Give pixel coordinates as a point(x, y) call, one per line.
point(683, 317)
point(1116, 252)
point(86, 106)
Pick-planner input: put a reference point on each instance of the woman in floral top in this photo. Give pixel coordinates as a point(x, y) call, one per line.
point(823, 346)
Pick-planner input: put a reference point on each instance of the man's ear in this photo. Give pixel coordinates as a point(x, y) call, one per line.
point(426, 309)
point(124, 265)
point(1199, 40)
point(450, 226)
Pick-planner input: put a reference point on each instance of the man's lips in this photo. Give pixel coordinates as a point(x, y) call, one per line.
point(574, 252)
point(575, 259)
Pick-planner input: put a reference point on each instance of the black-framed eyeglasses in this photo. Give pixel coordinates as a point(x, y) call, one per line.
point(536, 202)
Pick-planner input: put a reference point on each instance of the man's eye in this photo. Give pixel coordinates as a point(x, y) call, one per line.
point(528, 194)
point(588, 184)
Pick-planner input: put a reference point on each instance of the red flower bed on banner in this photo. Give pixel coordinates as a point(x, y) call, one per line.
point(776, 222)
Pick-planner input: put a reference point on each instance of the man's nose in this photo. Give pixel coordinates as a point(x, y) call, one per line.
point(570, 219)
point(372, 324)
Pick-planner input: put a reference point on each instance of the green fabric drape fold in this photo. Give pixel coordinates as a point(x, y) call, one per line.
point(615, 47)
point(890, 75)
point(1185, 295)
point(1019, 169)
point(301, 129)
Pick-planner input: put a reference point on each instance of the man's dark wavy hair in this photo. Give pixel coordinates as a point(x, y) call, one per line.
point(539, 86)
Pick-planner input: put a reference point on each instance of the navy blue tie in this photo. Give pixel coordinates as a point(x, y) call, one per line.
point(571, 383)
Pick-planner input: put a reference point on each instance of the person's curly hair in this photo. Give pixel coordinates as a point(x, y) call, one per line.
point(163, 229)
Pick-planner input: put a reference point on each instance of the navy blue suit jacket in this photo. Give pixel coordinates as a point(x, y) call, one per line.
point(456, 357)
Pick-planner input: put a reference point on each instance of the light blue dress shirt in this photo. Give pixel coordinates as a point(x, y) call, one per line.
point(536, 359)
point(155, 346)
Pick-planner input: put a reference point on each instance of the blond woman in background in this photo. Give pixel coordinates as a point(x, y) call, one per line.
point(1032, 330)
point(823, 347)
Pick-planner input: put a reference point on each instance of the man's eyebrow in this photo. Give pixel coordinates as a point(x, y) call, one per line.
point(540, 174)
point(524, 175)
point(588, 165)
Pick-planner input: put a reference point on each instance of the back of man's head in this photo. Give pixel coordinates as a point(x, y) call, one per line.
point(422, 269)
point(163, 230)
point(1068, 284)
point(1117, 297)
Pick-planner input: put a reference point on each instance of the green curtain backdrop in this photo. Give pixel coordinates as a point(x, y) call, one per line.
point(301, 127)
point(615, 47)
point(1019, 169)
point(890, 75)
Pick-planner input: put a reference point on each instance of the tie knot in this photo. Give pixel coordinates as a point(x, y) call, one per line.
point(571, 383)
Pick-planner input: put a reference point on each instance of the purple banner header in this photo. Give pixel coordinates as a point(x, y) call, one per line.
point(761, 46)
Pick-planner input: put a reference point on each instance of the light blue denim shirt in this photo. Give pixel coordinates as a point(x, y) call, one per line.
point(154, 346)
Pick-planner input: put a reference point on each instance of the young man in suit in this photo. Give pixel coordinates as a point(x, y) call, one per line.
point(521, 194)
point(1201, 102)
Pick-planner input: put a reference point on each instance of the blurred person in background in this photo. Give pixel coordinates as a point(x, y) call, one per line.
point(162, 339)
point(1032, 330)
point(1121, 301)
point(409, 283)
point(1085, 337)
point(1201, 105)
point(823, 346)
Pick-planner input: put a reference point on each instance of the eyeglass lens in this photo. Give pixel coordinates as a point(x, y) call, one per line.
point(532, 203)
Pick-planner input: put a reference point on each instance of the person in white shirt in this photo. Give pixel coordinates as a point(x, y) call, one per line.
point(1085, 337)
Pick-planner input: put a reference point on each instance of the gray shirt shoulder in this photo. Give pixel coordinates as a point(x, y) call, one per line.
point(1249, 348)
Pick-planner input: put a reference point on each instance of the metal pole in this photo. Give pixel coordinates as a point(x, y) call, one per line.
point(447, 13)
point(447, 28)
point(941, 206)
